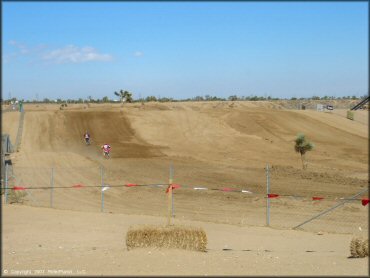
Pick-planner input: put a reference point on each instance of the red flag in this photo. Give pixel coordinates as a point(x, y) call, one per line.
point(77, 186)
point(365, 201)
point(173, 186)
point(272, 195)
point(19, 188)
point(317, 198)
point(131, 184)
point(228, 189)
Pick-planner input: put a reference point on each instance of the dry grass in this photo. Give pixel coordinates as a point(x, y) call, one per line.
point(15, 196)
point(359, 248)
point(179, 237)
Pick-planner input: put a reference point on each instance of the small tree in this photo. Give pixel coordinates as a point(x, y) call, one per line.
point(150, 98)
point(128, 96)
point(233, 98)
point(124, 95)
point(199, 98)
point(302, 146)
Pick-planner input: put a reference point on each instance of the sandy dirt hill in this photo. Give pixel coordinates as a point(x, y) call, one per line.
point(213, 145)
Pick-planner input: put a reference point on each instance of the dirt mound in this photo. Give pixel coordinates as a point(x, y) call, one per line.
point(324, 177)
point(156, 106)
point(312, 104)
point(63, 130)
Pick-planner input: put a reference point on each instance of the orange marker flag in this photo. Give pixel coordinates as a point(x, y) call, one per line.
point(174, 186)
point(19, 188)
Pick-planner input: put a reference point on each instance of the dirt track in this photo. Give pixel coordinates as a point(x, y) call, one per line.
point(215, 145)
point(93, 244)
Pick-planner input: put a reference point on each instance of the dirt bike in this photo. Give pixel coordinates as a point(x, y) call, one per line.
point(87, 141)
point(106, 154)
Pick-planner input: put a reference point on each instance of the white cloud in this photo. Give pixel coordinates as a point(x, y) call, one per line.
point(74, 54)
point(7, 58)
point(138, 53)
point(23, 49)
point(67, 54)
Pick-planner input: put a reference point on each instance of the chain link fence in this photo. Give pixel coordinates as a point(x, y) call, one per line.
point(264, 203)
point(315, 215)
point(337, 210)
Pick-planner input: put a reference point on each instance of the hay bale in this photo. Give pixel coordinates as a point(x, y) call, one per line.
point(359, 248)
point(354, 246)
point(365, 247)
point(180, 237)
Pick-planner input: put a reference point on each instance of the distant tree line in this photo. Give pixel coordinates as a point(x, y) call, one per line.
point(329, 97)
point(127, 96)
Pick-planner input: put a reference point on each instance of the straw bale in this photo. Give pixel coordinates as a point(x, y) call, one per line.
point(180, 237)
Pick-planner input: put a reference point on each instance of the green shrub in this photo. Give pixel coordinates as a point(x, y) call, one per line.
point(350, 115)
point(302, 145)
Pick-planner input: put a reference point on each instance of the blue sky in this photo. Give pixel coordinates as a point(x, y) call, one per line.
point(184, 49)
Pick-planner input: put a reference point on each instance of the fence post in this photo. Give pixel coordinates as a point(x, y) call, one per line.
point(171, 181)
point(52, 187)
point(6, 183)
point(267, 199)
point(102, 185)
point(170, 199)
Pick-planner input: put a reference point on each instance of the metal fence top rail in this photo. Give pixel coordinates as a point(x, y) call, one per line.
point(59, 167)
point(198, 188)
